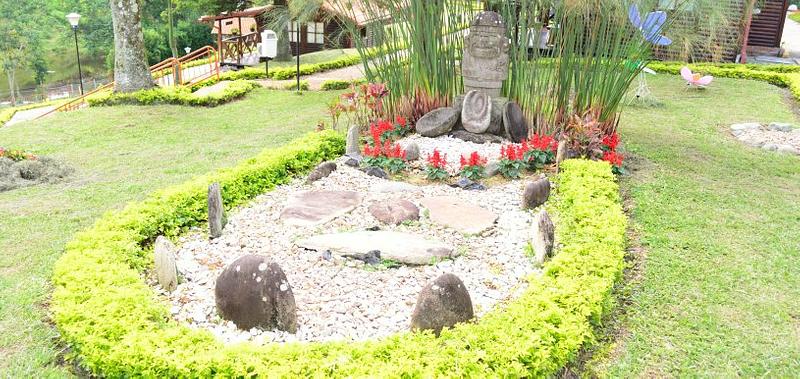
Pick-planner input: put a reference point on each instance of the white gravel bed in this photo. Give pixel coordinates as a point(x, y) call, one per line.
point(347, 300)
point(453, 147)
point(768, 137)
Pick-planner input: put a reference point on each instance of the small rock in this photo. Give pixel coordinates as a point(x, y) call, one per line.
point(476, 112)
point(437, 122)
point(253, 292)
point(354, 161)
point(788, 149)
point(770, 147)
point(468, 185)
point(780, 127)
point(405, 248)
point(394, 212)
point(536, 193)
point(216, 211)
point(372, 257)
point(476, 138)
point(492, 169)
point(353, 144)
point(376, 172)
point(412, 151)
point(323, 170)
point(543, 237)
point(165, 267)
point(739, 128)
point(441, 304)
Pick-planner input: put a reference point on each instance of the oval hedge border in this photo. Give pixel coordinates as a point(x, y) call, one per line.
point(116, 325)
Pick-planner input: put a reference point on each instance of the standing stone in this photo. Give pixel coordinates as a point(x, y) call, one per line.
point(543, 237)
point(561, 153)
point(536, 193)
point(441, 304)
point(496, 126)
point(516, 126)
point(476, 114)
point(353, 147)
point(412, 151)
point(437, 122)
point(253, 292)
point(216, 211)
point(323, 170)
point(395, 211)
point(485, 63)
point(165, 266)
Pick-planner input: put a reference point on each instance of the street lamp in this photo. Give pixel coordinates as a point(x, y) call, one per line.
point(73, 19)
point(187, 49)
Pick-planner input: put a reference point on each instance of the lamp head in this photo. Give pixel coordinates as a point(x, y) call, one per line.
point(73, 19)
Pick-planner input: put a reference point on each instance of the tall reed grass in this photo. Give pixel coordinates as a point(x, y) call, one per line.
point(592, 55)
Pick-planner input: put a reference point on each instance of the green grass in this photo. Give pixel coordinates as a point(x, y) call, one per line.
point(720, 224)
point(795, 16)
point(121, 154)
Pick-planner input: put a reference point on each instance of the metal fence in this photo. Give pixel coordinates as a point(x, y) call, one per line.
point(52, 92)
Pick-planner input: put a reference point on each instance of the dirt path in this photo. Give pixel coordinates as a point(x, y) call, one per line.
point(315, 81)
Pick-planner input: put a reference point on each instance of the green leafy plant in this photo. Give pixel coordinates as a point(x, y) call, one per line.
point(539, 150)
point(473, 167)
point(512, 161)
point(172, 95)
point(436, 167)
point(304, 86)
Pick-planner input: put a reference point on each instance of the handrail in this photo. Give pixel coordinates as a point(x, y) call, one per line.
point(175, 64)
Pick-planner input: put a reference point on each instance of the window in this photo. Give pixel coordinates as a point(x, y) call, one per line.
point(316, 32)
point(293, 31)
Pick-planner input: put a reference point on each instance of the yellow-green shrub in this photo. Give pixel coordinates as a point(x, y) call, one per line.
point(779, 75)
point(116, 326)
point(173, 95)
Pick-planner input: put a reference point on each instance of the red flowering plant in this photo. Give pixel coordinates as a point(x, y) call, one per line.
point(360, 106)
point(610, 154)
point(473, 166)
point(16, 155)
point(512, 160)
point(435, 169)
point(539, 150)
point(383, 153)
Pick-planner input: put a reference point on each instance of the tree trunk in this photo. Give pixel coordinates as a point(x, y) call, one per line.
point(131, 72)
point(284, 53)
point(11, 86)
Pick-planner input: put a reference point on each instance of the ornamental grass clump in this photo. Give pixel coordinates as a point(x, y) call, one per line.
point(436, 167)
point(473, 167)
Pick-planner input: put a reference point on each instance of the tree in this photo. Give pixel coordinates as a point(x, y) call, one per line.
point(19, 41)
point(131, 71)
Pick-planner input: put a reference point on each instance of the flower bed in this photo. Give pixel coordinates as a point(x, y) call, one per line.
point(115, 325)
point(172, 95)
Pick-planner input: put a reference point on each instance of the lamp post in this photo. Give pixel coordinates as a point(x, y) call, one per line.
point(187, 49)
point(73, 19)
point(298, 55)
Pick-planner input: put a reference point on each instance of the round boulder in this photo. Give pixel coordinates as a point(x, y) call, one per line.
point(476, 112)
point(437, 122)
point(442, 304)
point(253, 292)
point(394, 212)
point(536, 193)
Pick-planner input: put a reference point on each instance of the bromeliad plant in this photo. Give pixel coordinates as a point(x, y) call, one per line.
point(436, 168)
point(473, 167)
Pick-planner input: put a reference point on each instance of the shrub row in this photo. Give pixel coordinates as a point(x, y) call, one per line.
point(785, 76)
point(336, 84)
point(116, 326)
point(173, 95)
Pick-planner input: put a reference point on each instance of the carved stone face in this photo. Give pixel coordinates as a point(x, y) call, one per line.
point(485, 63)
point(484, 44)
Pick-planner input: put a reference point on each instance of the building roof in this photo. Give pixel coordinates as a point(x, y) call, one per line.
point(354, 10)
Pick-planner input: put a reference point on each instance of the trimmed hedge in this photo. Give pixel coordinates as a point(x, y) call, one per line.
point(304, 86)
point(785, 76)
point(116, 326)
point(173, 95)
point(337, 84)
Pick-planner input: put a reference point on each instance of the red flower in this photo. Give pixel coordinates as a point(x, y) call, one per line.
point(474, 159)
point(514, 152)
point(437, 159)
point(400, 120)
point(613, 157)
point(543, 143)
point(611, 141)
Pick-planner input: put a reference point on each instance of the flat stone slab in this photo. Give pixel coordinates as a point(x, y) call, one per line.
point(318, 207)
point(405, 248)
point(459, 214)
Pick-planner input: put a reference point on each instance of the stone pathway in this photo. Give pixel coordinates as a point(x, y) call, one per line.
point(30, 114)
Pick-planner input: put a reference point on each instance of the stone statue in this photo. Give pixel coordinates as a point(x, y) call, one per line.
point(485, 64)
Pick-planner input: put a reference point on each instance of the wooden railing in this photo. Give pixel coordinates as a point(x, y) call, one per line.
point(232, 49)
point(195, 67)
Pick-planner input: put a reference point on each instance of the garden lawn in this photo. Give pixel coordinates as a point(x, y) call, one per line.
point(121, 153)
point(719, 294)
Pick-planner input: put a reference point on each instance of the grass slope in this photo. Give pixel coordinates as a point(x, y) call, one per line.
point(121, 154)
point(720, 294)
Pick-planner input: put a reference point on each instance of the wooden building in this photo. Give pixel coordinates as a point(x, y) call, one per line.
point(238, 33)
